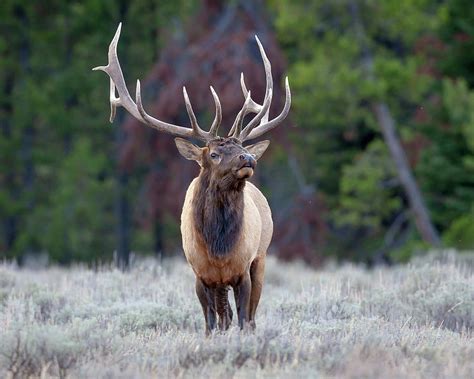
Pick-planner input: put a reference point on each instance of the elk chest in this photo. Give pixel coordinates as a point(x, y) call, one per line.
point(253, 239)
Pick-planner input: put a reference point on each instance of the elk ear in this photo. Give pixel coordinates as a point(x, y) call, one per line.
point(188, 150)
point(257, 149)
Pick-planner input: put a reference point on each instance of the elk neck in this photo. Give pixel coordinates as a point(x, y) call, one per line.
point(218, 208)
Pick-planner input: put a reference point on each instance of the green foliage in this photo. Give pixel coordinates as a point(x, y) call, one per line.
point(57, 161)
point(461, 232)
point(367, 189)
point(338, 139)
point(75, 226)
point(446, 169)
point(457, 31)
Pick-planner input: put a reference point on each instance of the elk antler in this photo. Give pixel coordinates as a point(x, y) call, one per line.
point(136, 109)
point(252, 131)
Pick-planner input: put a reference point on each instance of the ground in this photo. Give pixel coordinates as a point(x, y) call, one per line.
point(410, 321)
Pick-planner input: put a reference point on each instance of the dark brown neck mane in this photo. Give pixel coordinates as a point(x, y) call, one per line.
point(218, 212)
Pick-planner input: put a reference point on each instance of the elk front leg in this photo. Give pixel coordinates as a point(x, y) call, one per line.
point(242, 298)
point(223, 307)
point(206, 298)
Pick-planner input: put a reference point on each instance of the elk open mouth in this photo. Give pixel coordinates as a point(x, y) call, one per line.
point(246, 170)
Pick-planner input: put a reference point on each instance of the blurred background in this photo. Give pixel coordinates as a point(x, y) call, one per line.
point(374, 164)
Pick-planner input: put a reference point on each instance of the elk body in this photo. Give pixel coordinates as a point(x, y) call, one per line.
point(226, 223)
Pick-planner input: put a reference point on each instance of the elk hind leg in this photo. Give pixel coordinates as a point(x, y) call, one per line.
point(257, 271)
point(206, 298)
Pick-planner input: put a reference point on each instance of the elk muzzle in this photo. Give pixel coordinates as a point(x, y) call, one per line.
point(246, 166)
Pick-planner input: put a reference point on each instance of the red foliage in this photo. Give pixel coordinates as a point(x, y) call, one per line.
point(415, 147)
point(430, 48)
point(302, 233)
point(462, 37)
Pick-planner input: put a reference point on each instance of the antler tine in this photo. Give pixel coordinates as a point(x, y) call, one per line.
point(114, 101)
point(253, 106)
point(116, 79)
point(218, 118)
point(258, 118)
point(268, 67)
point(138, 99)
point(252, 130)
point(117, 82)
point(237, 126)
point(263, 128)
point(192, 116)
point(264, 109)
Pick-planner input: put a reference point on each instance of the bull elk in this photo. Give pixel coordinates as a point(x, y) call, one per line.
point(226, 223)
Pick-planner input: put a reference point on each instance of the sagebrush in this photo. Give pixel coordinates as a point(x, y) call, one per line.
point(408, 321)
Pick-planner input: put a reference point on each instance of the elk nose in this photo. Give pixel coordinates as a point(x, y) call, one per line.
point(248, 158)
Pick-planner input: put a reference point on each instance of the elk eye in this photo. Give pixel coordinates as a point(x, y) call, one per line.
point(214, 155)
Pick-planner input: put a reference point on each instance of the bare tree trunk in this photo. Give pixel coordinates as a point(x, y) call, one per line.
point(10, 221)
point(158, 237)
point(122, 211)
point(387, 126)
point(418, 207)
point(122, 206)
point(28, 131)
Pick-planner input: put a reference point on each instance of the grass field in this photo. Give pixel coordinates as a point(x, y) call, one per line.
point(413, 321)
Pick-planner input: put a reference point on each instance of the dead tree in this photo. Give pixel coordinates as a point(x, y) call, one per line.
point(387, 125)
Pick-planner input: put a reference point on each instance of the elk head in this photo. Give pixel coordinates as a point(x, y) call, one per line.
point(225, 157)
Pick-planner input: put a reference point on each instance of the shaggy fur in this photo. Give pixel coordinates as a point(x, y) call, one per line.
point(218, 214)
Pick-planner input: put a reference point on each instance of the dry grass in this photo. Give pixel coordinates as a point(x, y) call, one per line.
point(411, 321)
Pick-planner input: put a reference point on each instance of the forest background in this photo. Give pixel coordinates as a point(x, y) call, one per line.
point(73, 188)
